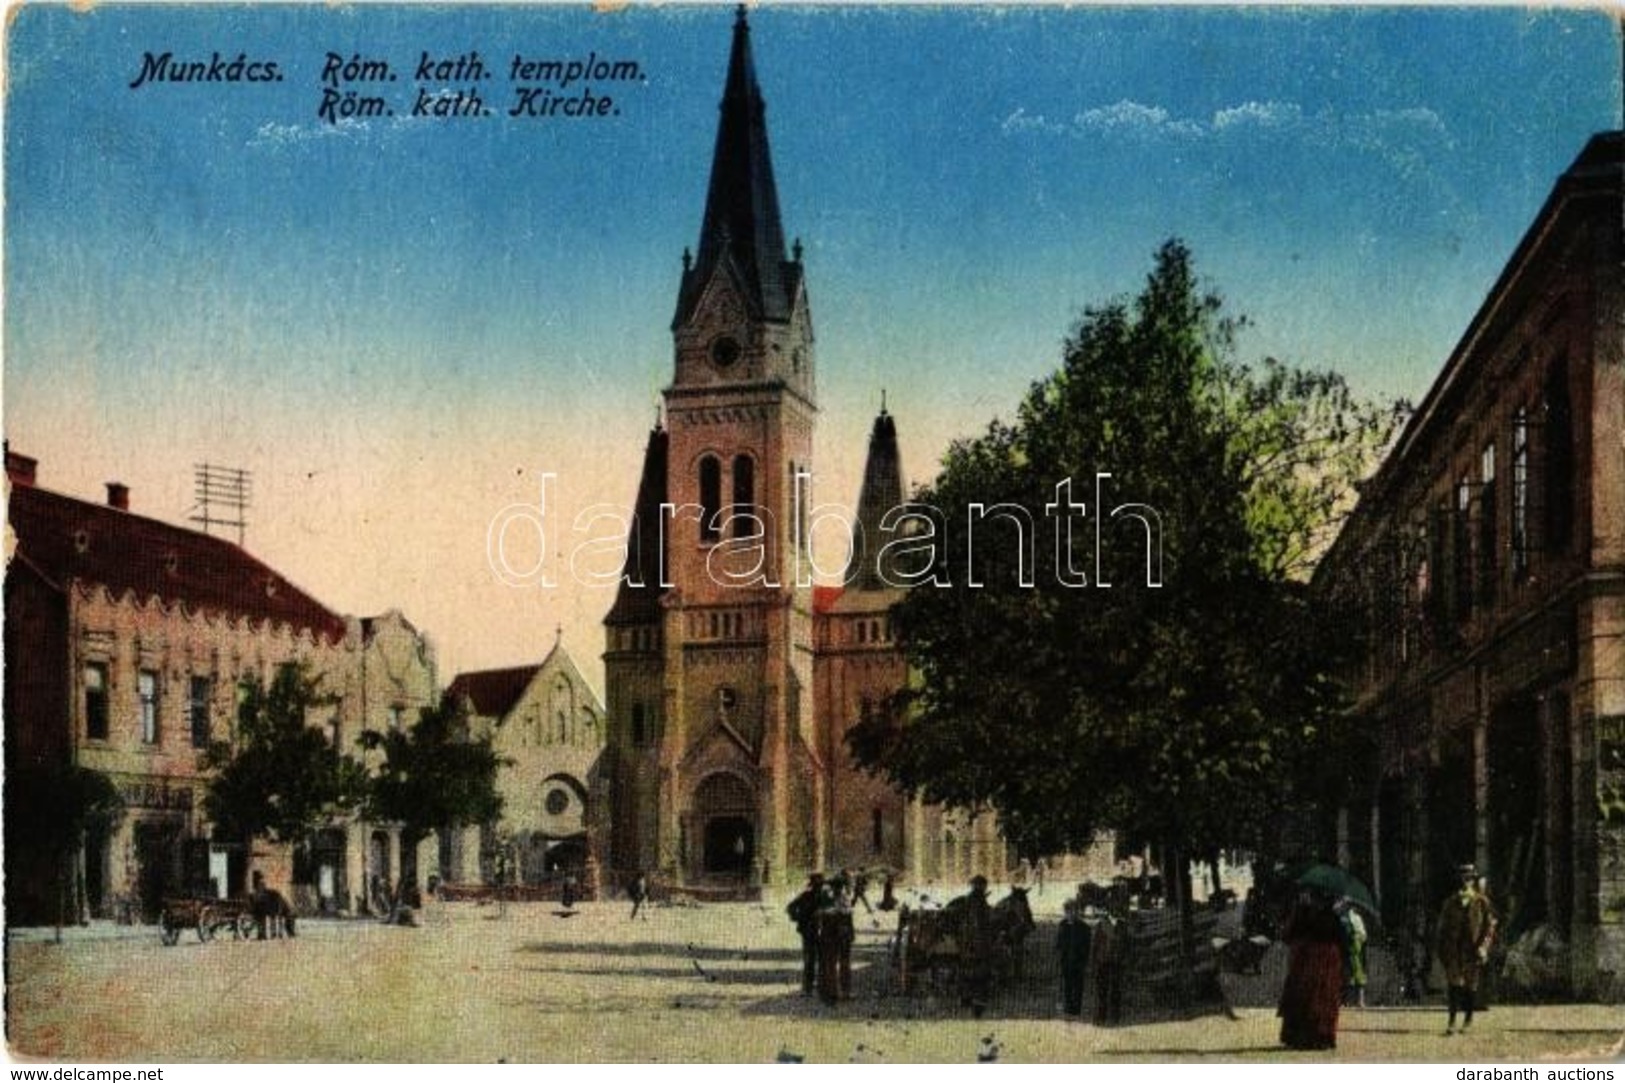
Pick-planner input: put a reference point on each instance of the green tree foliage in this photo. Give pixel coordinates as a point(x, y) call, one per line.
point(281, 777)
point(1190, 712)
point(434, 774)
point(54, 806)
point(49, 809)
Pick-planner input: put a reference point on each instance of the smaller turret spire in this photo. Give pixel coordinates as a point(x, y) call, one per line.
point(882, 491)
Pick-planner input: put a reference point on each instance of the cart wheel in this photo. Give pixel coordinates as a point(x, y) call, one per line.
point(244, 927)
point(205, 925)
point(168, 931)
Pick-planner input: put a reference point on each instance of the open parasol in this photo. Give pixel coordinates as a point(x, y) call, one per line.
point(1339, 883)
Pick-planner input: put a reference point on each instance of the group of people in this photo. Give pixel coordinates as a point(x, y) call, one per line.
point(1326, 965)
point(1093, 948)
point(822, 914)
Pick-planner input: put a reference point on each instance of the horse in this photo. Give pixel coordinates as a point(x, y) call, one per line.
point(1012, 924)
point(273, 917)
point(928, 941)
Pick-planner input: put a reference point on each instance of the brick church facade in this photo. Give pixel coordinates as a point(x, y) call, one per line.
point(730, 678)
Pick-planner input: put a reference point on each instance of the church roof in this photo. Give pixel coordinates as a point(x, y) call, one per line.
point(637, 599)
point(70, 540)
point(493, 692)
point(825, 597)
point(881, 492)
point(741, 228)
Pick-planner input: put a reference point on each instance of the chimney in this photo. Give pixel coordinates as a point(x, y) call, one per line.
point(118, 495)
point(20, 468)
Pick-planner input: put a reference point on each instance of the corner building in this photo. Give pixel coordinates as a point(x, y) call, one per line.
point(729, 687)
point(1485, 565)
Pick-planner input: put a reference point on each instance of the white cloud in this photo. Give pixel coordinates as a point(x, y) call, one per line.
point(1133, 117)
point(1258, 114)
point(271, 134)
point(1416, 117)
point(1022, 121)
point(1388, 132)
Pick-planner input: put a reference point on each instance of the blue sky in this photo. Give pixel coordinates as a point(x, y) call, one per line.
point(398, 324)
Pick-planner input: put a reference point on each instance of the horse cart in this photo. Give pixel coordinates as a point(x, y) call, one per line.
point(210, 917)
point(952, 951)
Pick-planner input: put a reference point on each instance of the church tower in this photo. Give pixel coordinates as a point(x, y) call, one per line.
point(708, 662)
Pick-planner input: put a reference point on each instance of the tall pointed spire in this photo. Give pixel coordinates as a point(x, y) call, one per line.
point(882, 491)
point(742, 206)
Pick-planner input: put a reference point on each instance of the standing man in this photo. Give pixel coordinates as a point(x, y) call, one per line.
point(639, 894)
point(803, 910)
point(1465, 930)
point(835, 936)
point(975, 931)
point(1107, 952)
point(1072, 945)
point(860, 891)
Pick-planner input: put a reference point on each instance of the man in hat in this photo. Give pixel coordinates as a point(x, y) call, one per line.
point(803, 910)
point(1072, 945)
point(1464, 933)
point(834, 937)
point(975, 929)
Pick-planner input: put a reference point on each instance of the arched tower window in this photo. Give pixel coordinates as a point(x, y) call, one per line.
point(744, 492)
point(640, 726)
point(710, 496)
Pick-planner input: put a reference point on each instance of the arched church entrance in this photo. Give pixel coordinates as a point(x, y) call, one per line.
point(724, 812)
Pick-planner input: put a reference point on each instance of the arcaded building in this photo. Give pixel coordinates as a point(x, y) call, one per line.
point(1485, 565)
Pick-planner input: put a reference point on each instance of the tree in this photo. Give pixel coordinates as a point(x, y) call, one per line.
point(62, 801)
point(434, 775)
point(281, 777)
point(1182, 694)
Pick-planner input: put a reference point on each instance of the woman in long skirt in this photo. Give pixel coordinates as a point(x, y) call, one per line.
point(1313, 992)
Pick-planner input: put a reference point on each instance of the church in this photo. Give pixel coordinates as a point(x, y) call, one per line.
point(731, 679)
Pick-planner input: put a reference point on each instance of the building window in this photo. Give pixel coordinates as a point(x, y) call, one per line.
point(1520, 493)
point(556, 802)
point(800, 481)
point(96, 701)
point(710, 498)
point(564, 727)
point(1399, 598)
point(146, 686)
point(198, 711)
point(1461, 541)
point(744, 494)
point(1488, 527)
point(397, 717)
point(1436, 577)
point(640, 726)
point(1559, 478)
